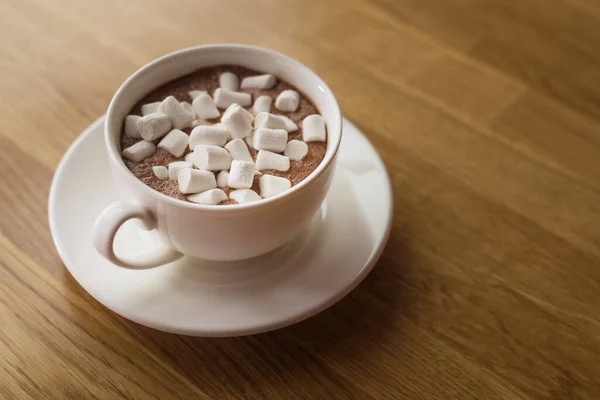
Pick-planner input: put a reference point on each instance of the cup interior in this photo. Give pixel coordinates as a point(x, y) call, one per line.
point(183, 62)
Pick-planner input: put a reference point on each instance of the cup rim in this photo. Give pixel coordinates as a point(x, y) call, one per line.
point(331, 152)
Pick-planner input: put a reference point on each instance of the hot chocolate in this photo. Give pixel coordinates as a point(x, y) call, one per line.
point(223, 135)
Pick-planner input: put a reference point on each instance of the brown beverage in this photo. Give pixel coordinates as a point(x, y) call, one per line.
point(207, 79)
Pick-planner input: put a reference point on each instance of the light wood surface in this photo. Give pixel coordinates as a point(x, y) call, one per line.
point(487, 115)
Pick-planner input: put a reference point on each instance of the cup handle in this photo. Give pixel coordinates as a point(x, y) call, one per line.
point(108, 223)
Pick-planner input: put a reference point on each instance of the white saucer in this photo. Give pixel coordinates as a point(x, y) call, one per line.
point(202, 298)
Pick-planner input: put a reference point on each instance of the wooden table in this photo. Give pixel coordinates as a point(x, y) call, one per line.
point(487, 114)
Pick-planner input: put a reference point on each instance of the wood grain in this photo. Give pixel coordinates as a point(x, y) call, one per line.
point(487, 115)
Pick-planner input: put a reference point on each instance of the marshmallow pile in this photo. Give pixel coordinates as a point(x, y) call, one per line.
point(219, 156)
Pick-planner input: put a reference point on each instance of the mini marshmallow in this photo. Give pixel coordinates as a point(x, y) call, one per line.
point(224, 98)
point(161, 172)
point(295, 150)
point(189, 157)
point(244, 196)
point(195, 181)
point(222, 178)
point(229, 81)
point(131, 129)
point(268, 160)
point(266, 120)
point(238, 150)
point(154, 126)
point(262, 104)
point(241, 174)
point(195, 93)
point(237, 122)
point(271, 185)
point(272, 121)
point(222, 126)
point(209, 135)
point(177, 166)
point(287, 101)
point(139, 151)
point(270, 139)
point(187, 106)
point(210, 197)
point(236, 107)
point(150, 108)
point(175, 142)
point(313, 129)
point(266, 81)
point(257, 173)
point(290, 125)
point(180, 117)
point(204, 107)
point(250, 139)
point(211, 158)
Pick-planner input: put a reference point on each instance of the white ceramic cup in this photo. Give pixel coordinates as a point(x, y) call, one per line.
point(223, 233)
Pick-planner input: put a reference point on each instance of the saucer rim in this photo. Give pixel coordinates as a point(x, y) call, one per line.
point(235, 332)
